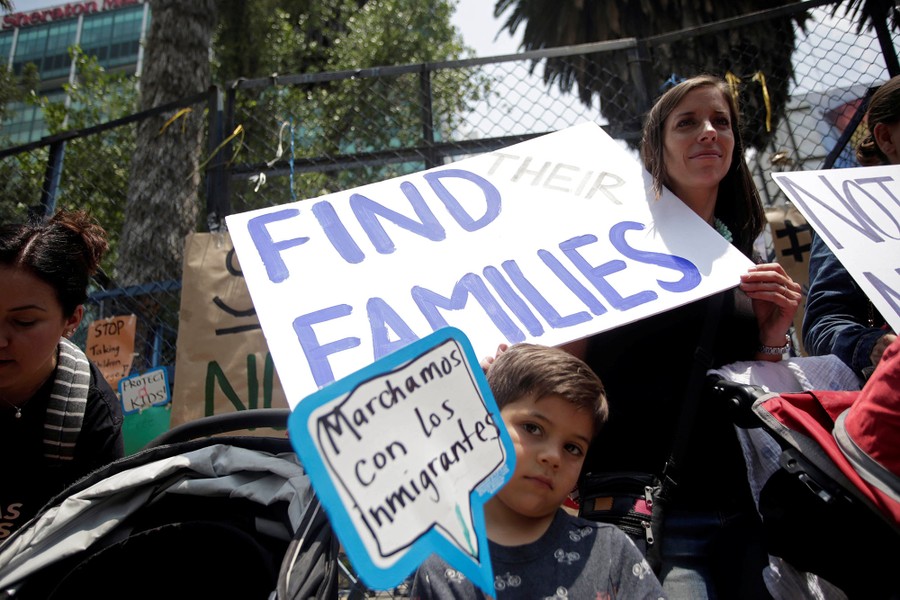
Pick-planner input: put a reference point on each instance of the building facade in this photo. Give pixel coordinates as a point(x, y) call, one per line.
point(111, 30)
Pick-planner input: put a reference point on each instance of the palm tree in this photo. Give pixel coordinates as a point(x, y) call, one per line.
point(869, 12)
point(876, 14)
point(754, 54)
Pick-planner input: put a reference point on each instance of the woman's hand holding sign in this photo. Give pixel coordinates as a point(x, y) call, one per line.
point(776, 298)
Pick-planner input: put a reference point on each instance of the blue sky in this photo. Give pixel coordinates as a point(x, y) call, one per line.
point(475, 19)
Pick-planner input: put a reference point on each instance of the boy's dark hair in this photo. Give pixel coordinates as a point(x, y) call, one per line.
point(533, 370)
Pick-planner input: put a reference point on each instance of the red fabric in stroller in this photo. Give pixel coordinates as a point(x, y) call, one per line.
point(833, 509)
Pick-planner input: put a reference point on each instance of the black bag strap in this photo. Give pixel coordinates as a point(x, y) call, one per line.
point(703, 358)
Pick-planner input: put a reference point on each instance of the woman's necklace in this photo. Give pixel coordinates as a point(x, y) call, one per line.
point(29, 396)
point(15, 407)
point(723, 230)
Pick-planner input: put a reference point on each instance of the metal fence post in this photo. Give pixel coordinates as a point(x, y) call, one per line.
point(51, 180)
point(642, 76)
point(880, 23)
point(427, 116)
point(217, 201)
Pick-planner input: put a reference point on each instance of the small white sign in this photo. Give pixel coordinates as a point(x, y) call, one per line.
point(403, 455)
point(857, 214)
point(142, 391)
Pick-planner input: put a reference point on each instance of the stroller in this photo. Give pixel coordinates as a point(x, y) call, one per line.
point(830, 532)
point(194, 514)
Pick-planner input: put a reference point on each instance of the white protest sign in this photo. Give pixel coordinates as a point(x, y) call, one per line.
point(857, 214)
point(141, 391)
point(546, 241)
point(403, 454)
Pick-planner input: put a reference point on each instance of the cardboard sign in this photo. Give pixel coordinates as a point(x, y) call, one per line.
point(791, 240)
point(546, 241)
point(857, 214)
point(222, 361)
point(144, 390)
point(403, 454)
point(110, 345)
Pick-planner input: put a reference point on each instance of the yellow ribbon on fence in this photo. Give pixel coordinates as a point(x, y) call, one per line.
point(761, 79)
point(238, 131)
point(733, 84)
point(181, 113)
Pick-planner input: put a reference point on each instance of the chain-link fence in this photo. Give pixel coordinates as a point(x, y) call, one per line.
point(91, 169)
point(803, 85)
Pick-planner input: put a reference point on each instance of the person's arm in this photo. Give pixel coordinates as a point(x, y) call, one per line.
point(837, 313)
point(101, 440)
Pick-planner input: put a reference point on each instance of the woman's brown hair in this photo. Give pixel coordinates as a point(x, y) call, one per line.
point(738, 204)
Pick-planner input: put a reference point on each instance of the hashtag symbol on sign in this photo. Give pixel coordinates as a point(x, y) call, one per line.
point(796, 249)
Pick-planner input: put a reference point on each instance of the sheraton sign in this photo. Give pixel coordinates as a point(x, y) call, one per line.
point(60, 13)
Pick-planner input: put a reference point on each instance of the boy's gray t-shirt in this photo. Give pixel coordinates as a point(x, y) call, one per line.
point(575, 558)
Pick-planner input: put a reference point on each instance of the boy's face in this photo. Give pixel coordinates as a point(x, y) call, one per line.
point(551, 437)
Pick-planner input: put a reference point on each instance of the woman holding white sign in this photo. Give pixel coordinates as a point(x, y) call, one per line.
point(59, 419)
point(839, 318)
point(653, 369)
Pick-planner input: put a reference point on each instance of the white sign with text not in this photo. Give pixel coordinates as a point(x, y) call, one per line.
point(857, 214)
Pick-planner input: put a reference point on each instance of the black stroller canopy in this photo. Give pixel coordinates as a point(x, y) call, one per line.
point(219, 517)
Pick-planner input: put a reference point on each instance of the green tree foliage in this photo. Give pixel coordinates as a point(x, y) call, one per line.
point(96, 167)
point(96, 96)
point(348, 116)
point(256, 40)
point(21, 174)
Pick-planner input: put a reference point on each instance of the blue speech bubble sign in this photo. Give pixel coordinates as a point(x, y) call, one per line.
point(403, 454)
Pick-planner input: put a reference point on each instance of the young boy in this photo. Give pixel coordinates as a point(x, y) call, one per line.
point(552, 404)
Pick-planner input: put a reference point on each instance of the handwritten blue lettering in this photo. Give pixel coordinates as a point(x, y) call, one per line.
point(690, 275)
point(465, 220)
point(554, 319)
point(316, 353)
point(381, 317)
point(336, 233)
point(429, 302)
point(513, 300)
point(270, 250)
point(843, 205)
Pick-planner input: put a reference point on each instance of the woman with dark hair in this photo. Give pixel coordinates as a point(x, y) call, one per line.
point(740, 209)
point(839, 318)
point(711, 537)
point(59, 419)
point(881, 145)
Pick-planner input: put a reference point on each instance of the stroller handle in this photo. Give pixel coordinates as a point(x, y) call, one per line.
point(275, 418)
